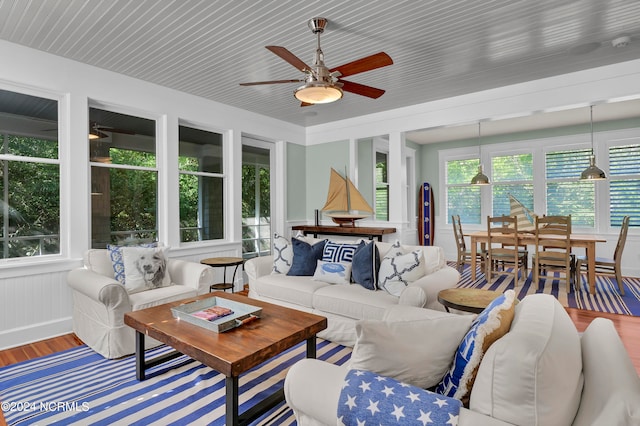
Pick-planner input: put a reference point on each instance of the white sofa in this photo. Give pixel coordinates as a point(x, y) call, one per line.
point(343, 305)
point(100, 302)
point(542, 372)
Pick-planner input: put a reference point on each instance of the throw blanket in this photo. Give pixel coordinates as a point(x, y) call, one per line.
point(368, 398)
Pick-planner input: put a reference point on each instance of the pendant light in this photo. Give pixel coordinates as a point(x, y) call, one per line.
point(592, 172)
point(480, 178)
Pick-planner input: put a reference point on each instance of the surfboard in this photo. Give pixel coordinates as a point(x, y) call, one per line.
point(426, 215)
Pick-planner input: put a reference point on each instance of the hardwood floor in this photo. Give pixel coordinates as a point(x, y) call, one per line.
point(38, 349)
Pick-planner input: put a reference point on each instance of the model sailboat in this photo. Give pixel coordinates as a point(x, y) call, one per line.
point(344, 203)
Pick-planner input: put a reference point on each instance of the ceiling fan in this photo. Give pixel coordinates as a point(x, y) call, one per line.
point(96, 131)
point(323, 84)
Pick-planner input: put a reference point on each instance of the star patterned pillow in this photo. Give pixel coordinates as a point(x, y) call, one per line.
point(369, 398)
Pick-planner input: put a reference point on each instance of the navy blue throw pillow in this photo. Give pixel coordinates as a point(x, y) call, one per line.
point(305, 257)
point(365, 266)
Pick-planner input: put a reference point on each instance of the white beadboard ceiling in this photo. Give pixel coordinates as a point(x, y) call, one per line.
point(440, 48)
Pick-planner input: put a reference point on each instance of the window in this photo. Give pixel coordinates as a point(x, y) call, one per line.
point(124, 178)
point(624, 184)
point(566, 194)
point(256, 201)
point(201, 185)
point(463, 198)
point(30, 176)
point(512, 175)
point(382, 187)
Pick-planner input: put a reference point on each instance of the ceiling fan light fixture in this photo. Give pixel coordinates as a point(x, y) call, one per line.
point(318, 93)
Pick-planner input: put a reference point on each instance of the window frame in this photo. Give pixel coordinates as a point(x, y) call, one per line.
point(63, 140)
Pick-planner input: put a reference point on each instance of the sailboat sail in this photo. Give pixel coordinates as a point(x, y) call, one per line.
point(344, 201)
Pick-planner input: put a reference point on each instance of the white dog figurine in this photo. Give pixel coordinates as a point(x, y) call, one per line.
point(152, 269)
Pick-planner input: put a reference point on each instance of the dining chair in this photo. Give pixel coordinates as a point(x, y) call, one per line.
point(553, 248)
point(503, 254)
point(607, 266)
point(464, 255)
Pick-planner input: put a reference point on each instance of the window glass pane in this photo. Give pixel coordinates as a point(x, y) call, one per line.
point(202, 148)
point(116, 138)
point(256, 201)
point(464, 201)
point(123, 199)
point(462, 171)
point(381, 167)
point(501, 202)
point(201, 189)
point(572, 198)
point(625, 201)
point(512, 167)
point(29, 188)
point(32, 147)
point(624, 160)
point(31, 215)
point(566, 164)
point(124, 206)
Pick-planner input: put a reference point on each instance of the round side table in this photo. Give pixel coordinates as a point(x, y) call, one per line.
point(224, 262)
point(467, 299)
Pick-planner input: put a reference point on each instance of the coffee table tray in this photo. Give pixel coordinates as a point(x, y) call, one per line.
point(242, 313)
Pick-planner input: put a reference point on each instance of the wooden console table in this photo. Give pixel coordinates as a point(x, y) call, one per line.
point(361, 231)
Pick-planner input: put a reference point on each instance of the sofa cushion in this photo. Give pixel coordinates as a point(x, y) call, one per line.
point(365, 265)
point(282, 254)
point(333, 272)
point(160, 296)
point(98, 261)
point(491, 324)
point(353, 301)
point(145, 268)
point(305, 257)
point(532, 375)
point(287, 288)
point(611, 393)
point(339, 252)
point(398, 270)
point(117, 261)
point(418, 352)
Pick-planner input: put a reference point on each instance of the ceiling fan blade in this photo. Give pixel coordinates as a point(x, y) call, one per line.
point(361, 89)
point(368, 63)
point(114, 130)
point(289, 57)
point(255, 83)
point(304, 104)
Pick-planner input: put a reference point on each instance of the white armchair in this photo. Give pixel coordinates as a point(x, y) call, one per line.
point(100, 302)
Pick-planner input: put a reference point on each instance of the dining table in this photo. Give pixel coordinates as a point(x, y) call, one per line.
point(586, 241)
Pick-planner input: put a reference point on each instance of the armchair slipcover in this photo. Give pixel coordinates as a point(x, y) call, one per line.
point(100, 302)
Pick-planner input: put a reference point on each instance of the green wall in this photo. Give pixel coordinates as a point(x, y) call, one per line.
point(296, 182)
point(319, 161)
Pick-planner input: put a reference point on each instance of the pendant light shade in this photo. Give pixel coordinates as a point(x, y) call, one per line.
point(592, 172)
point(480, 178)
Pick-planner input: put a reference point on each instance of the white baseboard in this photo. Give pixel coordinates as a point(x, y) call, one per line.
point(35, 332)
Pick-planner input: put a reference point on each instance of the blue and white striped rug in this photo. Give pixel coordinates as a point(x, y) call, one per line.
point(606, 299)
point(80, 387)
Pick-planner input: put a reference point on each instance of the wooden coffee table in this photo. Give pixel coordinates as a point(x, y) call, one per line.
point(467, 299)
point(230, 353)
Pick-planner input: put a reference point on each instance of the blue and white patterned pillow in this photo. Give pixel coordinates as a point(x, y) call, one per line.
point(333, 272)
point(491, 324)
point(282, 255)
point(117, 261)
point(398, 270)
point(369, 398)
point(337, 252)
